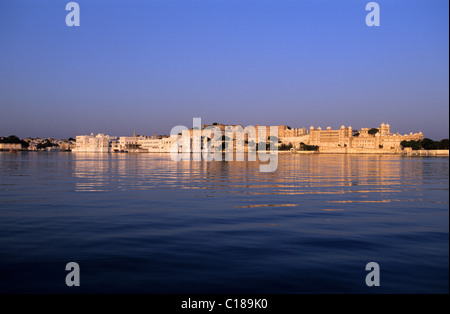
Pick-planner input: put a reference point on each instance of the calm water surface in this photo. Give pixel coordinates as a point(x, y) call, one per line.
point(143, 223)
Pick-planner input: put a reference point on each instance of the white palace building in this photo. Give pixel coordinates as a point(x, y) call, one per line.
point(93, 144)
point(101, 143)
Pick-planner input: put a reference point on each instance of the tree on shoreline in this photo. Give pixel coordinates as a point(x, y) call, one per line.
point(426, 143)
point(13, 139)
point(303, 146)
point(285, 146)
point(45, 144)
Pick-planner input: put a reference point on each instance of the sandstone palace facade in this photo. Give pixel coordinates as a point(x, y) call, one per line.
point(345, 139)
point(376, 138)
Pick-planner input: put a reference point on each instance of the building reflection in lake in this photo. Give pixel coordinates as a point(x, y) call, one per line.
point(321, 174)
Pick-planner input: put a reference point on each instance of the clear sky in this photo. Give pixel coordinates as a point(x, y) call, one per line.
point(151, 65)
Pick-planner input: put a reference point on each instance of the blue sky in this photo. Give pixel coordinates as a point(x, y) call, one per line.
point(151, 65)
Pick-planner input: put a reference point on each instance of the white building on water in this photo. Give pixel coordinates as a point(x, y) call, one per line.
point(99, 143)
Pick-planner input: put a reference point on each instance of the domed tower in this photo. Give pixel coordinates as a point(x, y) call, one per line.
point(382, 129)
point(388, 128)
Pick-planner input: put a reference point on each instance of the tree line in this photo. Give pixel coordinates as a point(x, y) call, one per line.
point(12, 139)
point(426, 143)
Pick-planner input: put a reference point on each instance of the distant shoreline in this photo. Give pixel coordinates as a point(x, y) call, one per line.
point(414, 153)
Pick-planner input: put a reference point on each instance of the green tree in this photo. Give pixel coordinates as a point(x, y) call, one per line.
point(373, 131)
point(428, 144)
point(443, 144)
point(303, 146)
point(12, 139)
point(416, 145)
point(24, 144)
point(405, 143)
point(285, 146)
point(45, 144)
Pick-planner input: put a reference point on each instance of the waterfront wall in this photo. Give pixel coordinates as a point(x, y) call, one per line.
point(433, 152)
point(353, 150)
point(397, 151)
point(8, 146)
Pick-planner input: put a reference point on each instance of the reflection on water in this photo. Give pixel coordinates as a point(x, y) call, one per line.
point(371, 176)
point(267, 205)
point(144, 223)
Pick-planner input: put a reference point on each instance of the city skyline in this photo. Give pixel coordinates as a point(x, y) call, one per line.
point(152, 65)
point(134, 133)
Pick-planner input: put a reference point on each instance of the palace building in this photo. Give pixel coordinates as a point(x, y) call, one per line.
point(93, 144)
point(378, 138)
point(345, 139)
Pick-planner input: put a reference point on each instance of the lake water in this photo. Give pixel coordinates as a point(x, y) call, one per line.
point(143, 223)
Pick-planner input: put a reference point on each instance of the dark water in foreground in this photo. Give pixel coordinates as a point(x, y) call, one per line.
point(143, 223)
